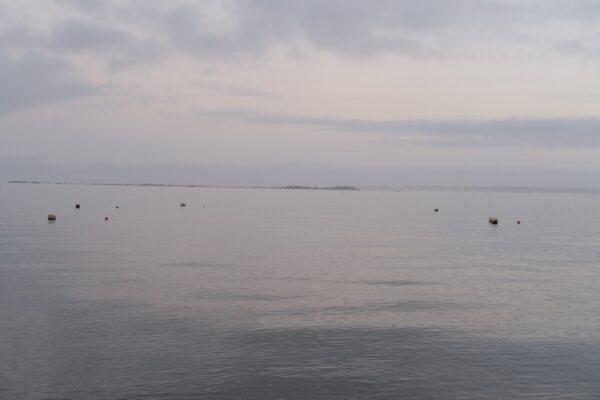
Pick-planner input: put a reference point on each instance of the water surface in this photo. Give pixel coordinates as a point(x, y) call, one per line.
point(296, 294)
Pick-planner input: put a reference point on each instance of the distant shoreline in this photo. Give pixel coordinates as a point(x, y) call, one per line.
point(433, 188)
point(288, 187)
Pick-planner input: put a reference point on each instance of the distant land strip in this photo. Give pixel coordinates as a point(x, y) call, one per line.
point(433, 188)
point(344, 187)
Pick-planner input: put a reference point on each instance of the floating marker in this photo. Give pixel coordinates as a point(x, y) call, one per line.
point(493, 221)
point(518, 222)
point(182, 204)
point(436, 210)
point(77, 206)
point(106, 218)
point(51, 217)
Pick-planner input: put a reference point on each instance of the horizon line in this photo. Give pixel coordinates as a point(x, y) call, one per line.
point(453, 188)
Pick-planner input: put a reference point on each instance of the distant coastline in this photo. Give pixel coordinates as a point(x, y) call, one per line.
point(433, 188)
point(293, 187)
point(316, 187)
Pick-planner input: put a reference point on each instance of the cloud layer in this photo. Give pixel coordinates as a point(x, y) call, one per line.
point(317, 84)
point(551, 132)
point(36, 78)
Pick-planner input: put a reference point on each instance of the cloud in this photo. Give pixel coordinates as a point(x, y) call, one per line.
point(87, 5)
point(133, 32)
point(117, 47)
point(518, 131)
point(236, 89)
point(20, 37)
point(79, 35)
point(569, 47)
point(34, 78)
point(349, 27)
point(355, 28)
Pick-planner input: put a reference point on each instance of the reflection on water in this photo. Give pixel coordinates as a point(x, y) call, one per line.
point(273, 294)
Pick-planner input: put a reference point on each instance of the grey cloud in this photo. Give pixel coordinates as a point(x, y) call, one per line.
point(578, 48)
point(346, 27)
point(569, 47)
point(349, 28)
point(236, 89)
point(80, 35)
point(87, 5)
point(34, 79)
point(548, 132)
point(577, 10)
point(117, 47)
point(20, 37)
point(139, 52)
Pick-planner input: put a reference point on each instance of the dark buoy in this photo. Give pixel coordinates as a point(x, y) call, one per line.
point(106, 218)
point(182, 204)
point(518, 222)
point(51, 217)
point(493, 221)
point(436, 210)
point(77, 206)
point(117, 207)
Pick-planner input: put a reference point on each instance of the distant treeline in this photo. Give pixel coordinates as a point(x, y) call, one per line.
point(24, 182)
point(319, 188)
point(198, 186)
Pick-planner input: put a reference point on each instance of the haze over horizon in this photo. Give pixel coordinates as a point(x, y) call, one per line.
point(366, 93)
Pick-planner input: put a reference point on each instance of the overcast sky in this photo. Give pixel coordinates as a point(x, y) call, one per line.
point(316, 92)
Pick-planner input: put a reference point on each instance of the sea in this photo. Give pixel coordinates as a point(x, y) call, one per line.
point(297, 294)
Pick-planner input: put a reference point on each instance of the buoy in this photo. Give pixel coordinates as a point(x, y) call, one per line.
point(77, 206)
point(518, 222)
point(493, 221)
point(117, 207)
point(51, 217)
point(182, 204)
point(106, 218)
point(436, 210)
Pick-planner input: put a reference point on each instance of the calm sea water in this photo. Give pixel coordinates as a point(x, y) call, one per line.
point(292, 294)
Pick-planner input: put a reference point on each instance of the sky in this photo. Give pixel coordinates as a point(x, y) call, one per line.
point(313, 92)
